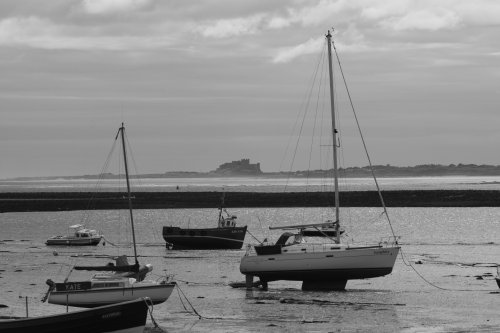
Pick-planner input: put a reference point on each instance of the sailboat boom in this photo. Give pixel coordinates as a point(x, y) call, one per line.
point(302, 226)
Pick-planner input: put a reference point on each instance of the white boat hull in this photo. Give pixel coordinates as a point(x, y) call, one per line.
point(103, 296)
point(335, 265)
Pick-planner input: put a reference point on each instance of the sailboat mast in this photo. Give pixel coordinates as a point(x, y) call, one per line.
point(122, 130)
point(334, 136)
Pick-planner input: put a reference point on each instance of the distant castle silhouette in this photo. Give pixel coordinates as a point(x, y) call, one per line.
point(241, 167)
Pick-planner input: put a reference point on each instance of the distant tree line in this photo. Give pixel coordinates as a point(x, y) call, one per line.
point(422, 170)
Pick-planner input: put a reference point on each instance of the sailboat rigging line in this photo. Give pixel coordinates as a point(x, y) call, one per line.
point(324, 234)
point(131, 156)
point(312, 79)
point(260, 242)
point(306, 108)
point(69, 273)
point(140, 183)
point(260, 223)
point(303, 108)
point(364, 143)
point(320, 85)
point(70, 265)
point(98, 186)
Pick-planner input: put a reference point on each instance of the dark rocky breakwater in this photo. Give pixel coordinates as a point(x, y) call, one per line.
point(63, 201)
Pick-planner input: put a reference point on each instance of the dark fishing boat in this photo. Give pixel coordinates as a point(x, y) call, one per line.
point(121, 317)
point(225, 236)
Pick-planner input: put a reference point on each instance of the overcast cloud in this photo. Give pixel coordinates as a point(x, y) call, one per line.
point(199, 83)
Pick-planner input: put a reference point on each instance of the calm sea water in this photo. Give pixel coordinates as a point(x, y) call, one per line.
point(457, 247)
point(253, 184)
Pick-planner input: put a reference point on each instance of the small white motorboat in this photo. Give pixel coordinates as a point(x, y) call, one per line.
point(78, 236)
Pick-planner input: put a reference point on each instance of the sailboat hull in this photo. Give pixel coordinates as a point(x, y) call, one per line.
point(336, 265)
point(205, 239)
point(89, 298)
point(127, 317)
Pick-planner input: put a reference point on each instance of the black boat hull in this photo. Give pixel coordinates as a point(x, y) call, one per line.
point(324, 275)
point(127, 316)
point(204, 239)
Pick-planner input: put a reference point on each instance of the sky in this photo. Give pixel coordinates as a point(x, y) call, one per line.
point(200, 83)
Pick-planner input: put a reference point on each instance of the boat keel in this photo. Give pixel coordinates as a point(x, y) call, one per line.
point(249, 282)
point(324, 285)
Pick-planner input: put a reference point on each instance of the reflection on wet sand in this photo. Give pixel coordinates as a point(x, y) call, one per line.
point(285, 308)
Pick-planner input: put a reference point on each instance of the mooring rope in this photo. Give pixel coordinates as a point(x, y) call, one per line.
point(409, 264)
point(107, 241)
point(150, 305)
point(187, 300)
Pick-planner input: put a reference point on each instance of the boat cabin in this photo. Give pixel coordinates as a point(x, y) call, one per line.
point(81, 232)
point(286, 239)
point(227, 222)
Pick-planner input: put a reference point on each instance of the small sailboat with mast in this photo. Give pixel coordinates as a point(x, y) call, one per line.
point(319, 265)
point(116, 283)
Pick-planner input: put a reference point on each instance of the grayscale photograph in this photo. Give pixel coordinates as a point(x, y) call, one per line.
point(249, 166)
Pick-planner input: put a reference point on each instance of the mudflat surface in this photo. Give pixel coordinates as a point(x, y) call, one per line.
point(454, 249)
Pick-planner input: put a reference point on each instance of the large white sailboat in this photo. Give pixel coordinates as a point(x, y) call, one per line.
point(325, 265)
point(115, 283)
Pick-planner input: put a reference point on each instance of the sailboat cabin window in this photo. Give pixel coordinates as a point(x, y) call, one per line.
point(108, 284)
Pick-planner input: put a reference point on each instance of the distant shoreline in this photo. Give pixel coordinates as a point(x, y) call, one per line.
point(382, 171)
point(65, 201)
